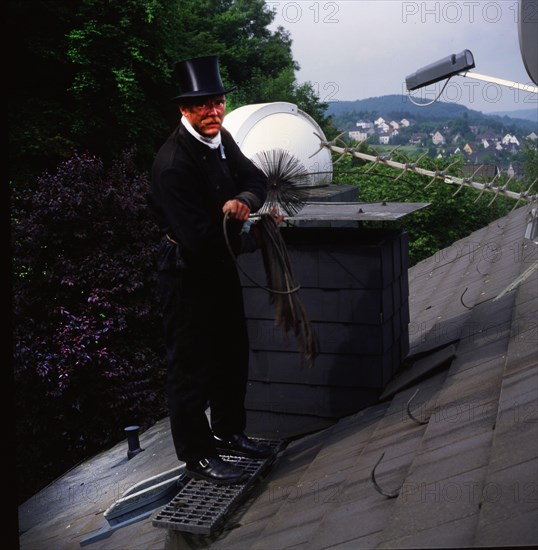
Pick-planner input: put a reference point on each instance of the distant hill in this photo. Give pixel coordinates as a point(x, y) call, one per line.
point(400, 106)
point(397, 105)
point(525, 114)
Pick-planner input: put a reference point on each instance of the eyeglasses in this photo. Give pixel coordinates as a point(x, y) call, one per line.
point(218, 103)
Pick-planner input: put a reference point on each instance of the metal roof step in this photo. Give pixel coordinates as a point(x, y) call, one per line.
point(201, 507)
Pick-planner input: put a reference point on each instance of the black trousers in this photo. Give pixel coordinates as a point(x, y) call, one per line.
point(207, 355)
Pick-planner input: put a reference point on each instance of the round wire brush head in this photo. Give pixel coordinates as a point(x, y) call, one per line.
point(287, 181)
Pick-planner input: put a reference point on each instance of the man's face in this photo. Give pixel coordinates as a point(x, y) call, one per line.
point(206, 114)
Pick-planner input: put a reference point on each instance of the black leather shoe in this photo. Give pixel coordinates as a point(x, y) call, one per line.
point(241, 445)
point(215, 470)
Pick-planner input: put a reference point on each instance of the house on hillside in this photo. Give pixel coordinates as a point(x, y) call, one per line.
point(438, 138)
point(383, 127)
point(418, 138)
point(489, 135)
point(364, 124)
point(510, 140)
point(384, 138)
point(361, 134)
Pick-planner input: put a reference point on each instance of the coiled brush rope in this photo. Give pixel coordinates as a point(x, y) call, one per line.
point(284, 174)
point(290, 314)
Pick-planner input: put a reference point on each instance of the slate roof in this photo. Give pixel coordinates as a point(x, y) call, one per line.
point(466, 475)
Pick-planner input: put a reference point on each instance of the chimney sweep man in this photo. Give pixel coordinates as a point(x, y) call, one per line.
point(200, 175)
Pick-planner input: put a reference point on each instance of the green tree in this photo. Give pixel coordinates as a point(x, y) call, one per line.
point(90, 75)
point(460, 128)
point(97, 75)
point(530, 162)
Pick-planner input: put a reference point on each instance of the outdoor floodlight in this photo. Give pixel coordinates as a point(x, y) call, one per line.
point(440, 70)
point(459, 64)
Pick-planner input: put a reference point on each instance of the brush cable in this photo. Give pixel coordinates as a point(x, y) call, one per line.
point(290, 314)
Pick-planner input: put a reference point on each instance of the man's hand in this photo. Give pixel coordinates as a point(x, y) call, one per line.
point(277, 216)
point(237, 210)
point(255, 229)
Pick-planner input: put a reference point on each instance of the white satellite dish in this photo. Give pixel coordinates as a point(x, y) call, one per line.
point(281, 125)
point(528, 36)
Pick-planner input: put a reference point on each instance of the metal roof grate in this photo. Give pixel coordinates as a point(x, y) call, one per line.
point(200, 507)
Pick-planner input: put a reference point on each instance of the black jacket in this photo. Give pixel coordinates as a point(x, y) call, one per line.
point(191, 183)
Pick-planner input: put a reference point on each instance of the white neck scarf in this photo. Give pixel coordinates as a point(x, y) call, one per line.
point(212, 143)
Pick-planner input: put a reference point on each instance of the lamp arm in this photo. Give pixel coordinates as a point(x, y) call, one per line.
point(523, 87)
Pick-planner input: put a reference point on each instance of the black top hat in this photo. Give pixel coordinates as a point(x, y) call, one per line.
point(200, 77)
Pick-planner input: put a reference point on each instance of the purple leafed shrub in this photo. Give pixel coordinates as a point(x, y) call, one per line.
point(88, 355)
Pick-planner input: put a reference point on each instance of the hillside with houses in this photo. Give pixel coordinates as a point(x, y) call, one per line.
point(442, 132)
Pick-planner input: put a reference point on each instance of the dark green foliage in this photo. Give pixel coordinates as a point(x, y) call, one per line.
point(530, 157)
point(88, 352)
point(90, 75)
point(97, 76)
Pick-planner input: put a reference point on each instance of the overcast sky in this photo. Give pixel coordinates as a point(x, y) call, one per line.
point(355, 49)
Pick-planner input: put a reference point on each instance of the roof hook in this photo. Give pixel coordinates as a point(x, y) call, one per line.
point(461, 298)
point(388, 494)
point(410, 414)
